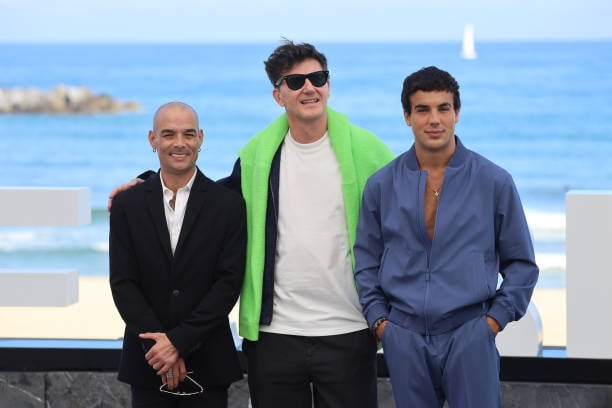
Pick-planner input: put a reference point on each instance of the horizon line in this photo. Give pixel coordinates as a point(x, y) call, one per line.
point(267, 42)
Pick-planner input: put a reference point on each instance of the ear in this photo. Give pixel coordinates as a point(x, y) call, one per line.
point(152, 140)
point(456, 116)
point(201, 136)
point(277, 98)
point(407, 118)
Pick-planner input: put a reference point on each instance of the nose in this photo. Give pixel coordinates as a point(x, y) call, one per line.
point(308, 86)
point(434, 118)
point(180, 140)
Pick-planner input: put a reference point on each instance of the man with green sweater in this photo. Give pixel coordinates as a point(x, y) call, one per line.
point(302, 178)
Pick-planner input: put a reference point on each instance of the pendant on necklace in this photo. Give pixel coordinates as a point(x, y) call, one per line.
point(436, 193)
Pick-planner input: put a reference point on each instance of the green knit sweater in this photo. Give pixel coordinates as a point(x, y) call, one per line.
point(359, 153)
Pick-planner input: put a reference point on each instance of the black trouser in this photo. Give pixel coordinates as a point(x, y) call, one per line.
point(295, 371)
point(212, 397)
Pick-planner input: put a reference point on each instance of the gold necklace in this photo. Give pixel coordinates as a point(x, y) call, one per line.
point(437, 192)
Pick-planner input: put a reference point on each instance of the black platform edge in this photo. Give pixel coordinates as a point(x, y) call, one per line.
point(518, 369)
point(556, 370)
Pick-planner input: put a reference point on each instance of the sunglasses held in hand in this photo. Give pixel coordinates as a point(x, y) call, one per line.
point(196, 388)
point(296, 81)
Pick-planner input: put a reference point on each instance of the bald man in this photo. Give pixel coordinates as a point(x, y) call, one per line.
point(177, 251)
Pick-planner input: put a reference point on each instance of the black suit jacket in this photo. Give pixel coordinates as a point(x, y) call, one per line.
point(187, 295)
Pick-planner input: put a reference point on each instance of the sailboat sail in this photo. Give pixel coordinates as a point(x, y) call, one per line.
point(468, 50)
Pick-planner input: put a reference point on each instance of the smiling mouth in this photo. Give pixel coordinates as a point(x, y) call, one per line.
point(308, 101)
point(177, 154)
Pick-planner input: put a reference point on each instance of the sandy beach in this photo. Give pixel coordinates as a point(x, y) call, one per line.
point(94, 316)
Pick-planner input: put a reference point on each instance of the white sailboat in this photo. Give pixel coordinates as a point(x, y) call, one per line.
point(468, 50)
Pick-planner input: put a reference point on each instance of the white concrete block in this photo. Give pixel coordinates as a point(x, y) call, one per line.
point(39, 288)
point(45, 206)
point(522, 338)
point(589, 273)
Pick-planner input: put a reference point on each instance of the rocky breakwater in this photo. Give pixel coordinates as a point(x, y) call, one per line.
point(62, 99)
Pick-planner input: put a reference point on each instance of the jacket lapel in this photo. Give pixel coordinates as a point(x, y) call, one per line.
point(195, 202)
point(155, 204)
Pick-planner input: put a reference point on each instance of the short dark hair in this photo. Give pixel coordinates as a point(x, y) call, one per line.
point(430, 79)
point(287, 55)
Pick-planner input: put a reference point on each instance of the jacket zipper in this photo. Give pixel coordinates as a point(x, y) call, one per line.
point(423, 227)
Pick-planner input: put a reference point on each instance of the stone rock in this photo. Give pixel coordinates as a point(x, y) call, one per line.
point(238, 394)
point(61, 99)
point(86, 390)
point(25, 390)
point(4, 101)
point(61, 389)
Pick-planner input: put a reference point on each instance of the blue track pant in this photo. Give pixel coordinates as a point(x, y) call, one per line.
point(460, 366)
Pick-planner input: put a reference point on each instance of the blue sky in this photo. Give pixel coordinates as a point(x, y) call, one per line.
point(314, 20)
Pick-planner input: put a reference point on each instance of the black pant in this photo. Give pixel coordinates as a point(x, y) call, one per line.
point(212, 397)
point(295, 371)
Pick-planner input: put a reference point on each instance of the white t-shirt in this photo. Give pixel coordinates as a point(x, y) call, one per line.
point(314, 287)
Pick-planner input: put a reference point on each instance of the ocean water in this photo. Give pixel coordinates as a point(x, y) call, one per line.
point(541, 110)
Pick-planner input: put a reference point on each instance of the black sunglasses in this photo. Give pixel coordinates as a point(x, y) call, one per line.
point(296, 81)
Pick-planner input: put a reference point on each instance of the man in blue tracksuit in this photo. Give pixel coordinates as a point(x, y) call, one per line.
point(438, 225)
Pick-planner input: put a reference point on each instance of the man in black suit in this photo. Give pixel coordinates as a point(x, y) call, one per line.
point(177, 250)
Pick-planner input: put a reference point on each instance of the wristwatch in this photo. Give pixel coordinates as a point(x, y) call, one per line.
point(377, 323)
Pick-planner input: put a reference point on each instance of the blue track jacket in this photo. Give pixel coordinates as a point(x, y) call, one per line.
point(433, 286)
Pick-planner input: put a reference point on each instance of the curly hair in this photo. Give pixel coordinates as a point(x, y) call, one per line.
point(287, 55)
point(430, 79)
